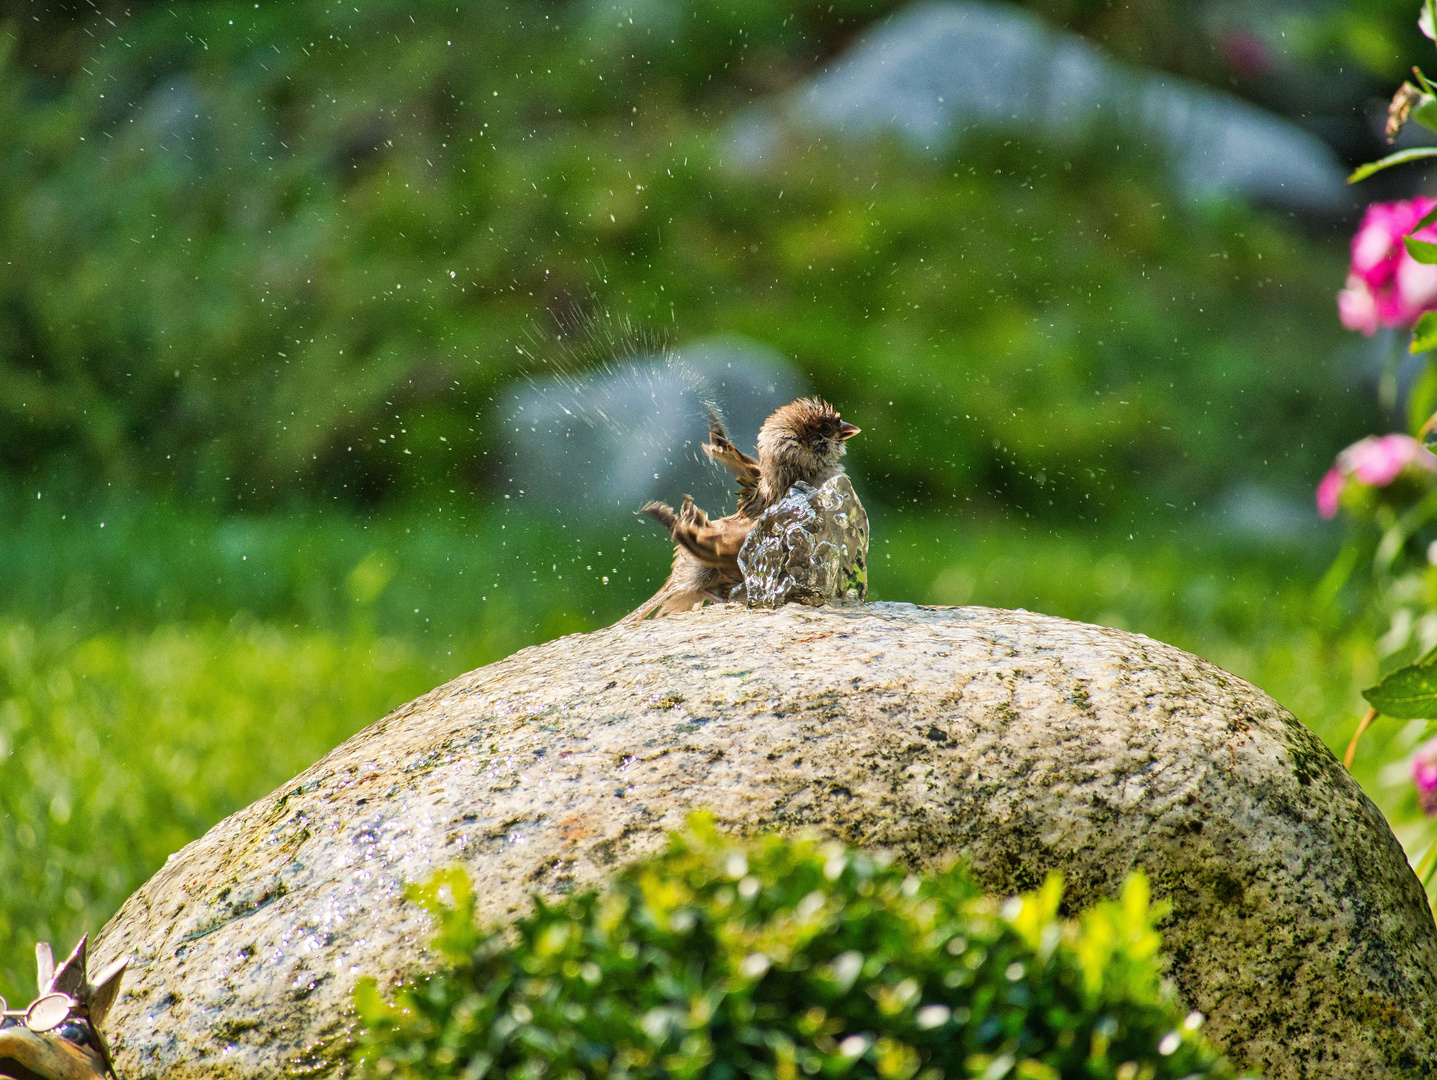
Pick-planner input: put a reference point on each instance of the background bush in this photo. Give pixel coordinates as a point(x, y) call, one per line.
point(777, 958)
point(261, 255)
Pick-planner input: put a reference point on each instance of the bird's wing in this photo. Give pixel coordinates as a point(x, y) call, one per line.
point(687, 514)
point(743, 466)
point(721, 449)
point(663, 513)
point(715, 543)
point(690, 585)
point(692, 514)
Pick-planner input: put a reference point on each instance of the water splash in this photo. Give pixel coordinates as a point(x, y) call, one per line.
point(810, 547)
point(628, 428)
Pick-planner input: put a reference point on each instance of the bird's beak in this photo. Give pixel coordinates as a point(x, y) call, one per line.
point(847, 431)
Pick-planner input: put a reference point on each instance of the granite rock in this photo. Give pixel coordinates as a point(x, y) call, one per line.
point(1022, 742)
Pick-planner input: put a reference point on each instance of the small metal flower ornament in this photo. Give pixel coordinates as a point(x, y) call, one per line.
point(57, 1036)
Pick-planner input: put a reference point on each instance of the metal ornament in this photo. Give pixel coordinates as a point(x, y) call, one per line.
point(48, 1012)
point(57, 1037)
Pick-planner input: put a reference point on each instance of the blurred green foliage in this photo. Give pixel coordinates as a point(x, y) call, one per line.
point(118, 748)
point(1381, 36)
point(258, 255)
point(775, 958)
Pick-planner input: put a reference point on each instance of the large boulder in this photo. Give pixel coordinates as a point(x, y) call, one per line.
point(1021, 742)
point(936, 72)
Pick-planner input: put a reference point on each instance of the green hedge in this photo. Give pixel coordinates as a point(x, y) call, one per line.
point(774, 959)
point(239, 269)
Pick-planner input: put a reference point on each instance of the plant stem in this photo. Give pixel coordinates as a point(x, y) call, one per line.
point(1352, 746)
point(1428, 865)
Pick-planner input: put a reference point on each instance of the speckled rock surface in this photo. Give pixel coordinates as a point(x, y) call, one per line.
point(1024, 742)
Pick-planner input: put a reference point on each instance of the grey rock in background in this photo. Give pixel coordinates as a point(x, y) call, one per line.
point(1267, 515)
point(937, 70)
point(616, 438)
point(1025, 743)
point(810, 547)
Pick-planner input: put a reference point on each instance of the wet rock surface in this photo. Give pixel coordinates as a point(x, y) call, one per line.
point(1023, 742)
point(810, 547)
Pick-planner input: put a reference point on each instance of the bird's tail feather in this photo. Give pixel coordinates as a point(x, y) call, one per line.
point(666, 601)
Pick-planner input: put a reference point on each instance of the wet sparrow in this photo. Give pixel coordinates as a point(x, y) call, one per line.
point(803, 440)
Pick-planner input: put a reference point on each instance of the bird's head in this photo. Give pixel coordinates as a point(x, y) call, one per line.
point(805, 439)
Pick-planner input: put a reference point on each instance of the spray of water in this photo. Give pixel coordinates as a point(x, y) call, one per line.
point(605, 416)
point(605, 409)
point(596, 364)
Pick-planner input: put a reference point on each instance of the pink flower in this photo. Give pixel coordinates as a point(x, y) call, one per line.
point(1328, 491)
point(1375, 461)
point(1246, 54)
point(1424, 776)
point(1385, 286)
point(1357, 307)
point(1378, 459)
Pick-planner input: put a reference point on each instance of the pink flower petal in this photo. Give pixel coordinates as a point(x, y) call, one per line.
point(1424, 776)
point(1386, 286)
point(1372, 253)
point(1378, 461)
point(1329, 489)
point(1416, 286)
point(1357, 307)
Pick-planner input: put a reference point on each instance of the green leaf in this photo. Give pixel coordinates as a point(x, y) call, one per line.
point(1425, 114)
point(1427, 219)
point(370, 1004)
point(1422, 397)
point(1362, 172)
point(1421, 250)
point(1409, 693)
point(1424, 334)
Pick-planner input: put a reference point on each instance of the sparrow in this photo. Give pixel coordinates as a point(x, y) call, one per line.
point(804, 440)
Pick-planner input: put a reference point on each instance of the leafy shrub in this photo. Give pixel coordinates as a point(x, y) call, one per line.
point(774, 958)
point(295, 285)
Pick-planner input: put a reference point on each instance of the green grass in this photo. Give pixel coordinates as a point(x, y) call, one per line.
point(119, 747)
point(166, 670)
